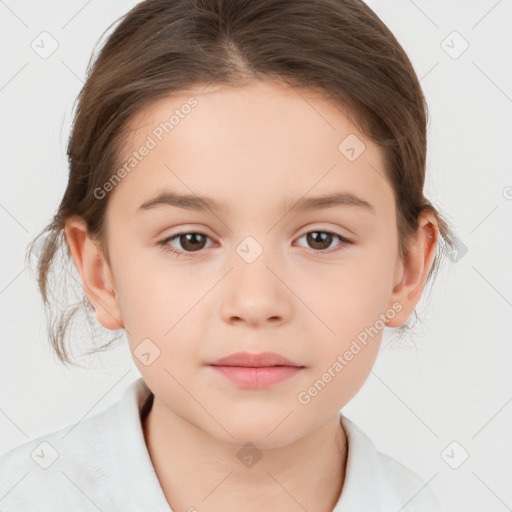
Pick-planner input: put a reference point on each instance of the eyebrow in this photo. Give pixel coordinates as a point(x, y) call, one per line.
point(198, 203)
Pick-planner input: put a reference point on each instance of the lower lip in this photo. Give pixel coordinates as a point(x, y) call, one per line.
point(257, 378)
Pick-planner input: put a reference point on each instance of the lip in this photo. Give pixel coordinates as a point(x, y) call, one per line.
point(256, 371)
point(263, 359)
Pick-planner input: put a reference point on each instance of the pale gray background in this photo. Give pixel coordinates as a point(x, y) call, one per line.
point(450, 382)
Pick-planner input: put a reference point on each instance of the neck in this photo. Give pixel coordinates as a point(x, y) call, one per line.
point(197, 470)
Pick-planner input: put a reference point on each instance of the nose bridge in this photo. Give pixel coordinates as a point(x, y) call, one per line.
point(254, 255)
point(255, 237)
point(254, 292)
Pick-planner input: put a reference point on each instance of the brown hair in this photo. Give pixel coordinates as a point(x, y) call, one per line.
point(339, 48)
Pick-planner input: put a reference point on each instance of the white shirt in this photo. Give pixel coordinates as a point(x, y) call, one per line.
point(102, 463)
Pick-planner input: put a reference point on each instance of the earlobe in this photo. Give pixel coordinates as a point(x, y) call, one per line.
point(95, 274)
point(415, 268)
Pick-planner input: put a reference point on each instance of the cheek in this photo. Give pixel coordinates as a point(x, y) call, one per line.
point(151, 293)
point(345, 353)
point(159, 306)
point(371, 275)
point(354, 308)
point(351, 295)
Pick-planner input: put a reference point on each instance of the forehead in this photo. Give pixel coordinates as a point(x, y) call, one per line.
point(254, 145)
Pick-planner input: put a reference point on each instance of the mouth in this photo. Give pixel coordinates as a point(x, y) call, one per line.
point(256, 371)
point(262, 359)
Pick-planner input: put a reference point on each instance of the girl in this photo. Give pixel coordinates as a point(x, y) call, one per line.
point(286, 140)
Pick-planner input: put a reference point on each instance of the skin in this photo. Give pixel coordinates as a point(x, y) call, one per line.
point(257, 147)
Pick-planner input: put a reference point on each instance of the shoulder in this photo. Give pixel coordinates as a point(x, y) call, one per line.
point(379, 481)
point(60, 469)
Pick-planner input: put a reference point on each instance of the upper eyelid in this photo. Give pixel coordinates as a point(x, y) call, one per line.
point(321, 229)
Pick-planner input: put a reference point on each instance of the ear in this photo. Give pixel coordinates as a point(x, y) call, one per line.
point(411, 274)
point(95, 272)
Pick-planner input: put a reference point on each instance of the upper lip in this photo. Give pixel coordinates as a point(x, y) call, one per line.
point(255, 360)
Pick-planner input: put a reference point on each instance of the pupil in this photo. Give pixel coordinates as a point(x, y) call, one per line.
point(322, 238)
point(194, 246)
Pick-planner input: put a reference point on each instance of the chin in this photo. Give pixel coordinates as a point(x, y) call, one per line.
point(260, 432)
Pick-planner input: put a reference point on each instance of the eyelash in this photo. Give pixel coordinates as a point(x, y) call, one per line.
point(170, 249)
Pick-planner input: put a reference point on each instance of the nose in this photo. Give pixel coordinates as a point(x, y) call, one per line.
point(254, 293)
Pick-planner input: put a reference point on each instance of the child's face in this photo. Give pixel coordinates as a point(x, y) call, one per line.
point(258, 150)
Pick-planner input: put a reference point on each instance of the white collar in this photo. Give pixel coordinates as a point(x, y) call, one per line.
point(373, 481)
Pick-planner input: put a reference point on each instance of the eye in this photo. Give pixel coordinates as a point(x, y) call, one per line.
point(323, 239)
point(194, 242)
